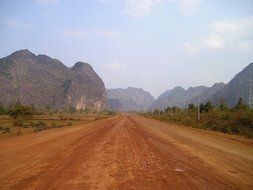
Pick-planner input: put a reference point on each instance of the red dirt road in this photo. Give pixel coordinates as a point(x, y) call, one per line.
point(126, 152)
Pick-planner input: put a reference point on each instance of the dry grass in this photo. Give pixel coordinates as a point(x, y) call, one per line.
point(7, 129)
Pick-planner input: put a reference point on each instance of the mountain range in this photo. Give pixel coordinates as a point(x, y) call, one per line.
point(180, 97)
point(130, 99)
point(46, 82)
point(240, 86)
point(42, 81)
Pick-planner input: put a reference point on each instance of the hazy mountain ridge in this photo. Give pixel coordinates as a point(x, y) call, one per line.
point(43, 81)
point(178, 96)
point(132, 99)
point(238, 87)
point(229, 93)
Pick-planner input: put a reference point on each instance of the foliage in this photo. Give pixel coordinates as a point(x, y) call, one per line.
point(5, 129)
point(236, 120)
point(20, 110)
point(39, 126)
point(208, 106)
point(20, 114)
point(3, 110)
point(240, 105)
point(191, 106)
point(54, 125)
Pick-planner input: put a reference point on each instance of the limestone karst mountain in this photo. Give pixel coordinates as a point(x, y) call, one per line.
point(178, 96)
point(132, 99)
point(43, 81)
point(241, 86)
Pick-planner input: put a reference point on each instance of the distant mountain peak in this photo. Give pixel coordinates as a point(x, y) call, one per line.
point(81, 64)
point(82, 67)
point(237, 87)
point(22, 54)
point(216, 85)
point(178, 87)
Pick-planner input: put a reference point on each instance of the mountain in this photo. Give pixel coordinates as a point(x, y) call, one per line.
point(43, 81)
point(180, 97)
point(132, 99)
point(241, 86)
point(207, 94)
point(238, 87)
point(114, 104)
point(174, 97)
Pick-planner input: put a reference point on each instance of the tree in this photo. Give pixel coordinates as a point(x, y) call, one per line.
point(202, 107)
point(208, 106)
point(20, 113)
point(240, 105)
point(157, 112)
point(191, 106)
point(175, 109)
point(3, 110)
point(223, 106)
point(167, 110)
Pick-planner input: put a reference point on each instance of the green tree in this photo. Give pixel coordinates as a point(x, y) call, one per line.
point(167, 110)
point(176, 109)
point(240, 105)
point(191, 106)
point(20, 113)
point(3, 110)
point(157, 112)
point(223, 106)
point(208, 106)
point(202, 107)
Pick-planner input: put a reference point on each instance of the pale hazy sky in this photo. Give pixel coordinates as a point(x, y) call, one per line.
point(152, 44)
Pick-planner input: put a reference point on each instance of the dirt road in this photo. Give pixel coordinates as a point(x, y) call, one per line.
point(126, 152)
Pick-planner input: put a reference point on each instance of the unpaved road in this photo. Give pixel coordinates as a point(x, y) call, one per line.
point(126, 152)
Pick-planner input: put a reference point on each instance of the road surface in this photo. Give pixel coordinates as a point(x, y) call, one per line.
point(126, 152)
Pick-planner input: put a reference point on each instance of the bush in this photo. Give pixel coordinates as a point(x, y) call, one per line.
point(6, 129)
point(54, 125)
point(238, 120)
point(20, 114)
point(39, 126)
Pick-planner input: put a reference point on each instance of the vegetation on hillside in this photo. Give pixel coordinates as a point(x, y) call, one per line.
point(235, 120)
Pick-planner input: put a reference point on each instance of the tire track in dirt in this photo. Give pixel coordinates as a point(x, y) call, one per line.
point(46, 172)
point(156, 164)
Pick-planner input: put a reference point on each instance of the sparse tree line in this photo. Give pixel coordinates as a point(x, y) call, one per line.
point(235, 120)
point(47, 110)
point(23, 116)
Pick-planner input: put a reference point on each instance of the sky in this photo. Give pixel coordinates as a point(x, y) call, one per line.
point(150, 44)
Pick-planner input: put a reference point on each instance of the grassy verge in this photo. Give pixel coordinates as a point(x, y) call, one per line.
point(230, 122)
point(38, 123)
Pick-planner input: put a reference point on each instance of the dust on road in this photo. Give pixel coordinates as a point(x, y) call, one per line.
point(126, 152)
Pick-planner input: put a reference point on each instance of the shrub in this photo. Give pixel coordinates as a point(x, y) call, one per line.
point(20, 114)
point(54, 125)
point(238, 120)
point(39, 126)
point(6, 130)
